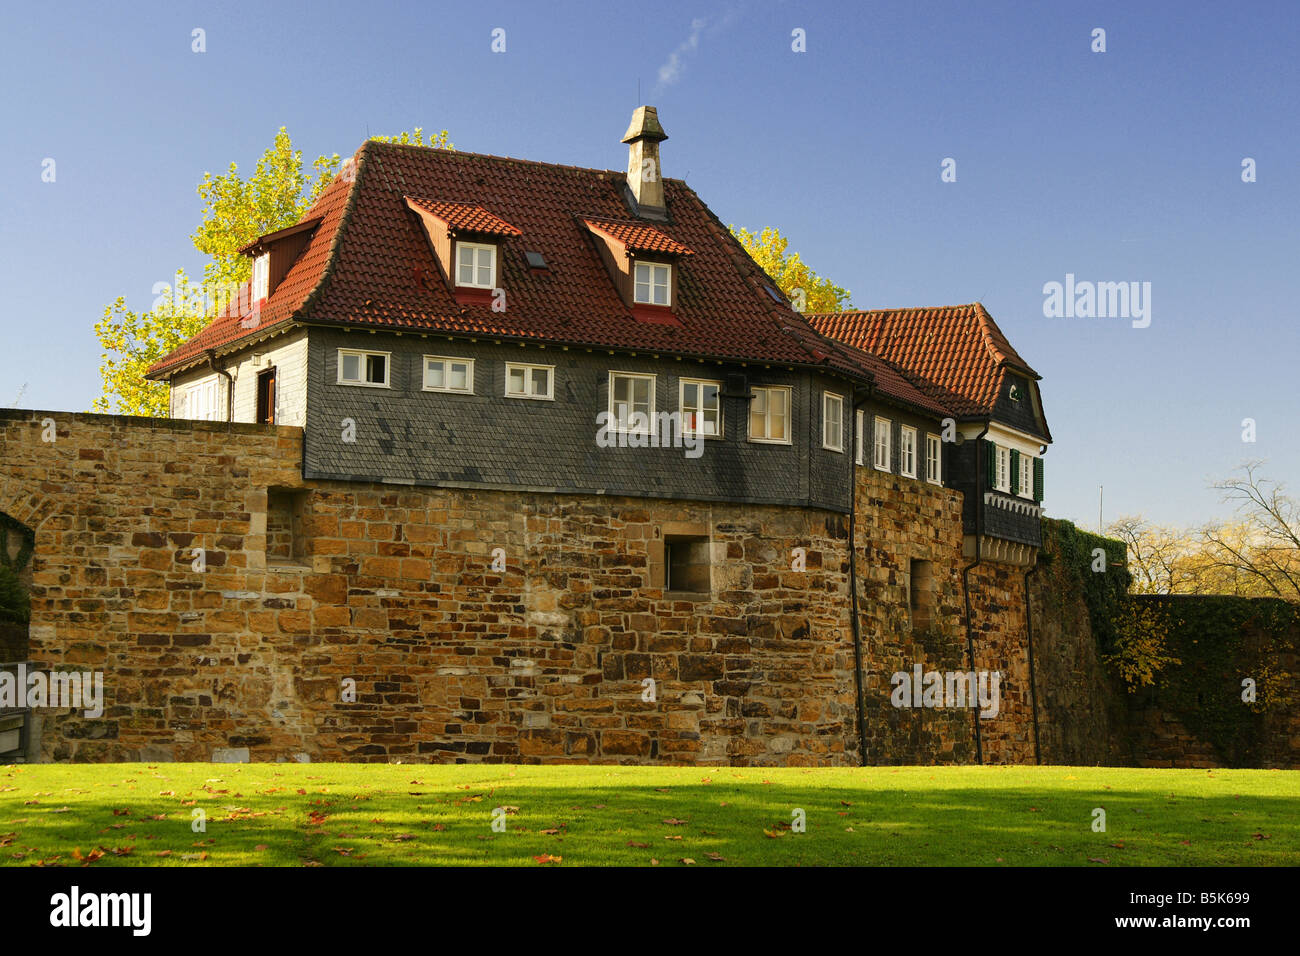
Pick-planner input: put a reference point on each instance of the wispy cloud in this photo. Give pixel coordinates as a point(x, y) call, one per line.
point(671, 71)
point(672, 68)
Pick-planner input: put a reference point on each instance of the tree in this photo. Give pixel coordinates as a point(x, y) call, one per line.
point(235, 212)
point(1264, 547)
point(807, 291)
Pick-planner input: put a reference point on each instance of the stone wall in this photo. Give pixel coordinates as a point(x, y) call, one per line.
point(394, 589)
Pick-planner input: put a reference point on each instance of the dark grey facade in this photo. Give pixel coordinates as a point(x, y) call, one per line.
point(406, 435)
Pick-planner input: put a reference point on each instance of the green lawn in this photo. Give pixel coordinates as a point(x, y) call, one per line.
point(367, 815)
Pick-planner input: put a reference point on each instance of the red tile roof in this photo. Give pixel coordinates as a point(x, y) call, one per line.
point(637, 236)
point(465, 217)
point(369, 264)
point(959, 349)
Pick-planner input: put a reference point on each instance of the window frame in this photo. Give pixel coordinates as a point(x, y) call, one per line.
point(1026, 487)
point(859, 453)
point(681, 404)
point(827, 397)
point(261, 279)
point(550, 382)
point(668, 283)
point(446, 362)
point(363, 353)
point(466, 244)
point(934, 475)
point(887, 431)
point(788, 390)
point(1002, 469)
point(614, 423)
point(903, 432)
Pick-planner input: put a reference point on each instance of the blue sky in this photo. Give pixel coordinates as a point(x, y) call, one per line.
point(1115, 166)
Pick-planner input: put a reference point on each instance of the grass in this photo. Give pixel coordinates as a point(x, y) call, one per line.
point(420, 814)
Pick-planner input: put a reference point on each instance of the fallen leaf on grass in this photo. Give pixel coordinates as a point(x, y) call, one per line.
point(672, 836)
point(1097, 859)
point(674, 822)
point(687, 860)
point(547, 858)
point(773, 833)
point(639, 846)
point(716, 857)
point(259, 848)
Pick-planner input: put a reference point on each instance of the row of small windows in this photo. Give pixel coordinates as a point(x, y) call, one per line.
point(632, 400)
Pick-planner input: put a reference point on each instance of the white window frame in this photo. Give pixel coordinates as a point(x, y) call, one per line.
point(681, 404)
point(861, 436)
point(363, 353)
point(933, 462)
point(614, 422)
point(528, 382)
point(212, 391)
point(907, 451)
point(1002, 472)
point(654, 267)
point(477, 247)
point(829, 398)
point(1026, 476)
point(446, 361)
point(882, 440)
point(261, 285)
point(789, 409)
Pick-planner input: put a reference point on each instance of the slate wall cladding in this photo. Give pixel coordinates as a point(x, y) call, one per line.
point(453, 660)
point(407, 435)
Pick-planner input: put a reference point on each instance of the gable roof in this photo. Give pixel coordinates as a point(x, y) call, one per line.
point(959, 350)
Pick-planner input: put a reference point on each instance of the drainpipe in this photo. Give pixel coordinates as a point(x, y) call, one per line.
point(965, 578)
point(854, 404)
point(1029, 633)
point(230, 383)
point(1033, 690)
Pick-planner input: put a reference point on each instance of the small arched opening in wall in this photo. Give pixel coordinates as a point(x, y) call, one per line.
point(17, 542)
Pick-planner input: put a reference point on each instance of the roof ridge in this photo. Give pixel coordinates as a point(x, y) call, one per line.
point(461, 153)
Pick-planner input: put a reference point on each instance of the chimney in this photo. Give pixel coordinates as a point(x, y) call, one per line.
point(644, 177)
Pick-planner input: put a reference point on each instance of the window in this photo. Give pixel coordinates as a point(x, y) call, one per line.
point(861, 439)
point(769, 415)
point(445, 374)
point(476, 265)
point(364, 368)
point(686, 559)
point(261, 277)
point(1026, 489)
point(933, 459)
point(653, 283)
point(530, 381)
point(1003, 473)
point(882, 448)
point(266, 397)
point(201, 401)
point(832, 421)
point(701, 407)
point(921, 594)
point(907, 451)
point(631, 395)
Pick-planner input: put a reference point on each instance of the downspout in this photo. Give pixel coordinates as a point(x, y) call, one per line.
point(230, 383)
point(965, 579)
point(1033, 689)
point(854, 404)
point(1029, 634)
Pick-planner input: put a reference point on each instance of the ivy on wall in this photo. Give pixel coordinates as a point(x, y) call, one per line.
point(1071, 557)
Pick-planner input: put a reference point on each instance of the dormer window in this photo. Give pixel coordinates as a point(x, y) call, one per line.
point(653, 284)
point(476, 265)
point(261, 277)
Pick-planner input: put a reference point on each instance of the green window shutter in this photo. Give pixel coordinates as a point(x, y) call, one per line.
point(1015, 472)
point(990, 464)
point(1038, 479)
